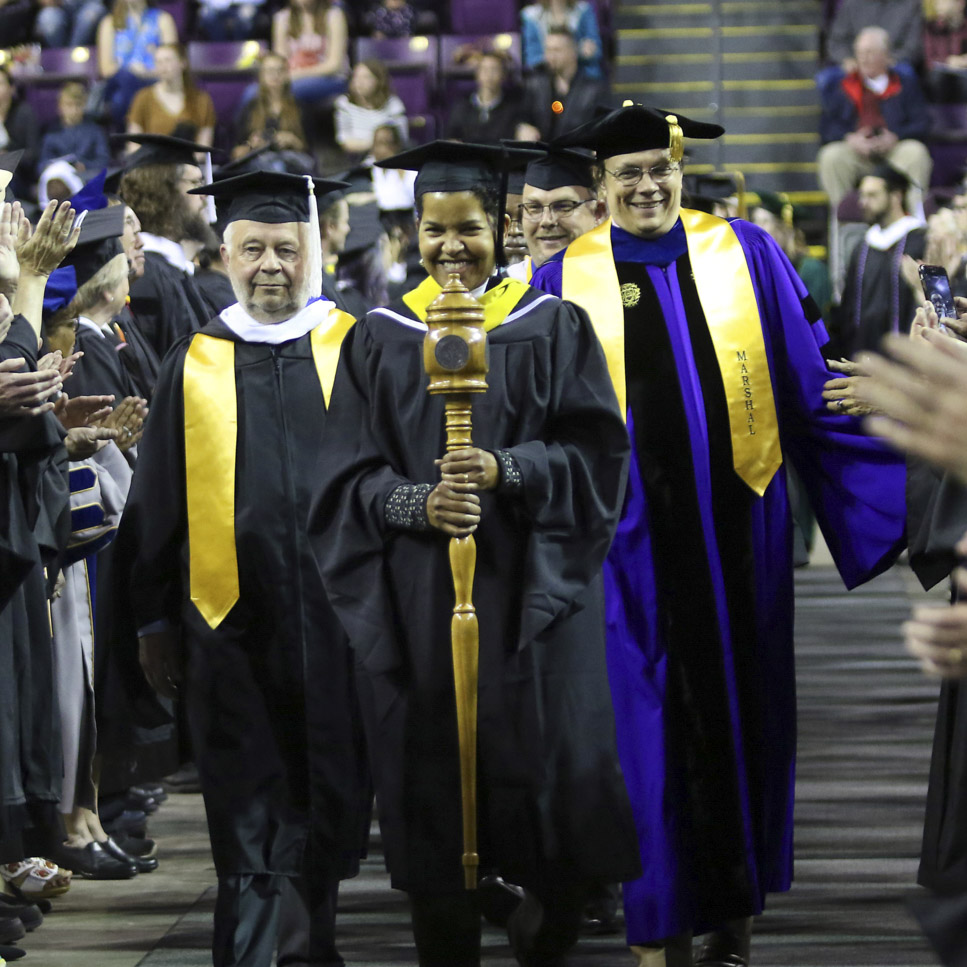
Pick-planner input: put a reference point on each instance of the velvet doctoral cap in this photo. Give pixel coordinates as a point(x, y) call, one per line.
point(458, 166)
point(635, 127)
point(273, 197)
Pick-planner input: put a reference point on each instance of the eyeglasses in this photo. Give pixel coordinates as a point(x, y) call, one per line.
point(632, 175)
point(533, 210)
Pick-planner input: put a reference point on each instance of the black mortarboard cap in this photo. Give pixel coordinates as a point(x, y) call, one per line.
point(8, 165)
point(240, 166)
point(778, 205)
point(98, 242)
point(458, 165)
point(634, 127)
point(558, 168)
point(159, 149)
point(266, 196)
point(895, 180)
point(515, 183)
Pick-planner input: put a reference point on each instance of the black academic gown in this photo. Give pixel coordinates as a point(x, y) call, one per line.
point(166, 303)
point(936, 521)
point(100, 372)
point(137, 354)
point(36, 494)
point(269, 692)
point(550, 788)
point(875, 298)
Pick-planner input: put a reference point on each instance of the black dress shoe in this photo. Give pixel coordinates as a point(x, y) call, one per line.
point(143, 864)
point(28, 913)
point(11, 928)
point(136, 845)
point(11, 954)
point(149, 791)
point(132, 821)
point(93, 862)
point(498, 899)
point(523, 926)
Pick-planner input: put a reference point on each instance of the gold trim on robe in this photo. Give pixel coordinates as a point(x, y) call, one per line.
point(498, 302)
point(719, 266)
point(211, 434)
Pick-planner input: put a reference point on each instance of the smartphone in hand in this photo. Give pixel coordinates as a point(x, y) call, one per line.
point(936, 287)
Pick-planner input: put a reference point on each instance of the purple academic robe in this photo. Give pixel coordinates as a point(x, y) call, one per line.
point(699, 584)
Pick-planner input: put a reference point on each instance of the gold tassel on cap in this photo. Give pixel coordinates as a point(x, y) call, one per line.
point(787, 210)
point(676, 140)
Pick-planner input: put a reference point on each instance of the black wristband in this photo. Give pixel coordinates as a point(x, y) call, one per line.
point(511, 479)
point(405, 507)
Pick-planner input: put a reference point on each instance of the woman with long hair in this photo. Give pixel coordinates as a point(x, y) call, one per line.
point(369, 104)
point(313, 36)
point(173, 100)
point(272, 120)
point(127, 39)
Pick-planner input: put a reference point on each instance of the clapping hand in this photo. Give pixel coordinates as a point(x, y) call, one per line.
point(11, 216)
point(128, 419)
point(919, 395)
point(840, 393)
point(56, 360)
point(40, 251)
point(26, 393)
point(6, 317)
point(82, 411)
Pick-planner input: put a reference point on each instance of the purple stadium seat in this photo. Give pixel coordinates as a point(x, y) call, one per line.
point(453, 46)
point(42, 99)
point(412, 89)
point(484, 16)
point(212, 59)
point(410, 53)
point(179, 13)
point(67, 63)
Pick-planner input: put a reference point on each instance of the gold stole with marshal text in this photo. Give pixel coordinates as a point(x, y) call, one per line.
point(211, 432)
point(728, 301)
point(498, 302)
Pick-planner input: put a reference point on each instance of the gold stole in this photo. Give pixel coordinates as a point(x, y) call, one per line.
point(498, 302)
point(728, 301)
point(211, 433)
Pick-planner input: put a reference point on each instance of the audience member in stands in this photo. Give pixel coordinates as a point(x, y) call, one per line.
point(393, 187)
point(83, 141)
point(777, 216)
point(314, 37)
point(390, 18)
point(901, 19)
point(875, 298)
point(945, 52)
point(19, 130)
point(273, 120)
point(67, 23)
point(578, 16)
point(222, 20)
point(873, 114)
point(492, 111)
point(565, 84)
point(57, 182)
point(369, 104)
point(173, 101)
point(944, 245)
point(127, 39)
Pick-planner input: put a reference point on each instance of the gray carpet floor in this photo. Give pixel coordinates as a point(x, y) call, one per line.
point(865, 716)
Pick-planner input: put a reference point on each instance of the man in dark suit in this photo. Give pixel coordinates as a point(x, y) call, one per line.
point(562, 83)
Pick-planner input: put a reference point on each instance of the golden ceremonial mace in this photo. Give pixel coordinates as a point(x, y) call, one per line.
point(455, 359)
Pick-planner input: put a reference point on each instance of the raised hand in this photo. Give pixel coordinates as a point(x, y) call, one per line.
point(128, 419)
point(41, 251)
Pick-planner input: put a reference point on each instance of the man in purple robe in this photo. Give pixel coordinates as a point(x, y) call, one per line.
point(714, 346)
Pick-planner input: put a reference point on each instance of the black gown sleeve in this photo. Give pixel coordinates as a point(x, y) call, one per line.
point(154, 524)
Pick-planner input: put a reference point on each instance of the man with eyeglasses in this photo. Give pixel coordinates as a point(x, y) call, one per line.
point(714, 347)
point(558, 204)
